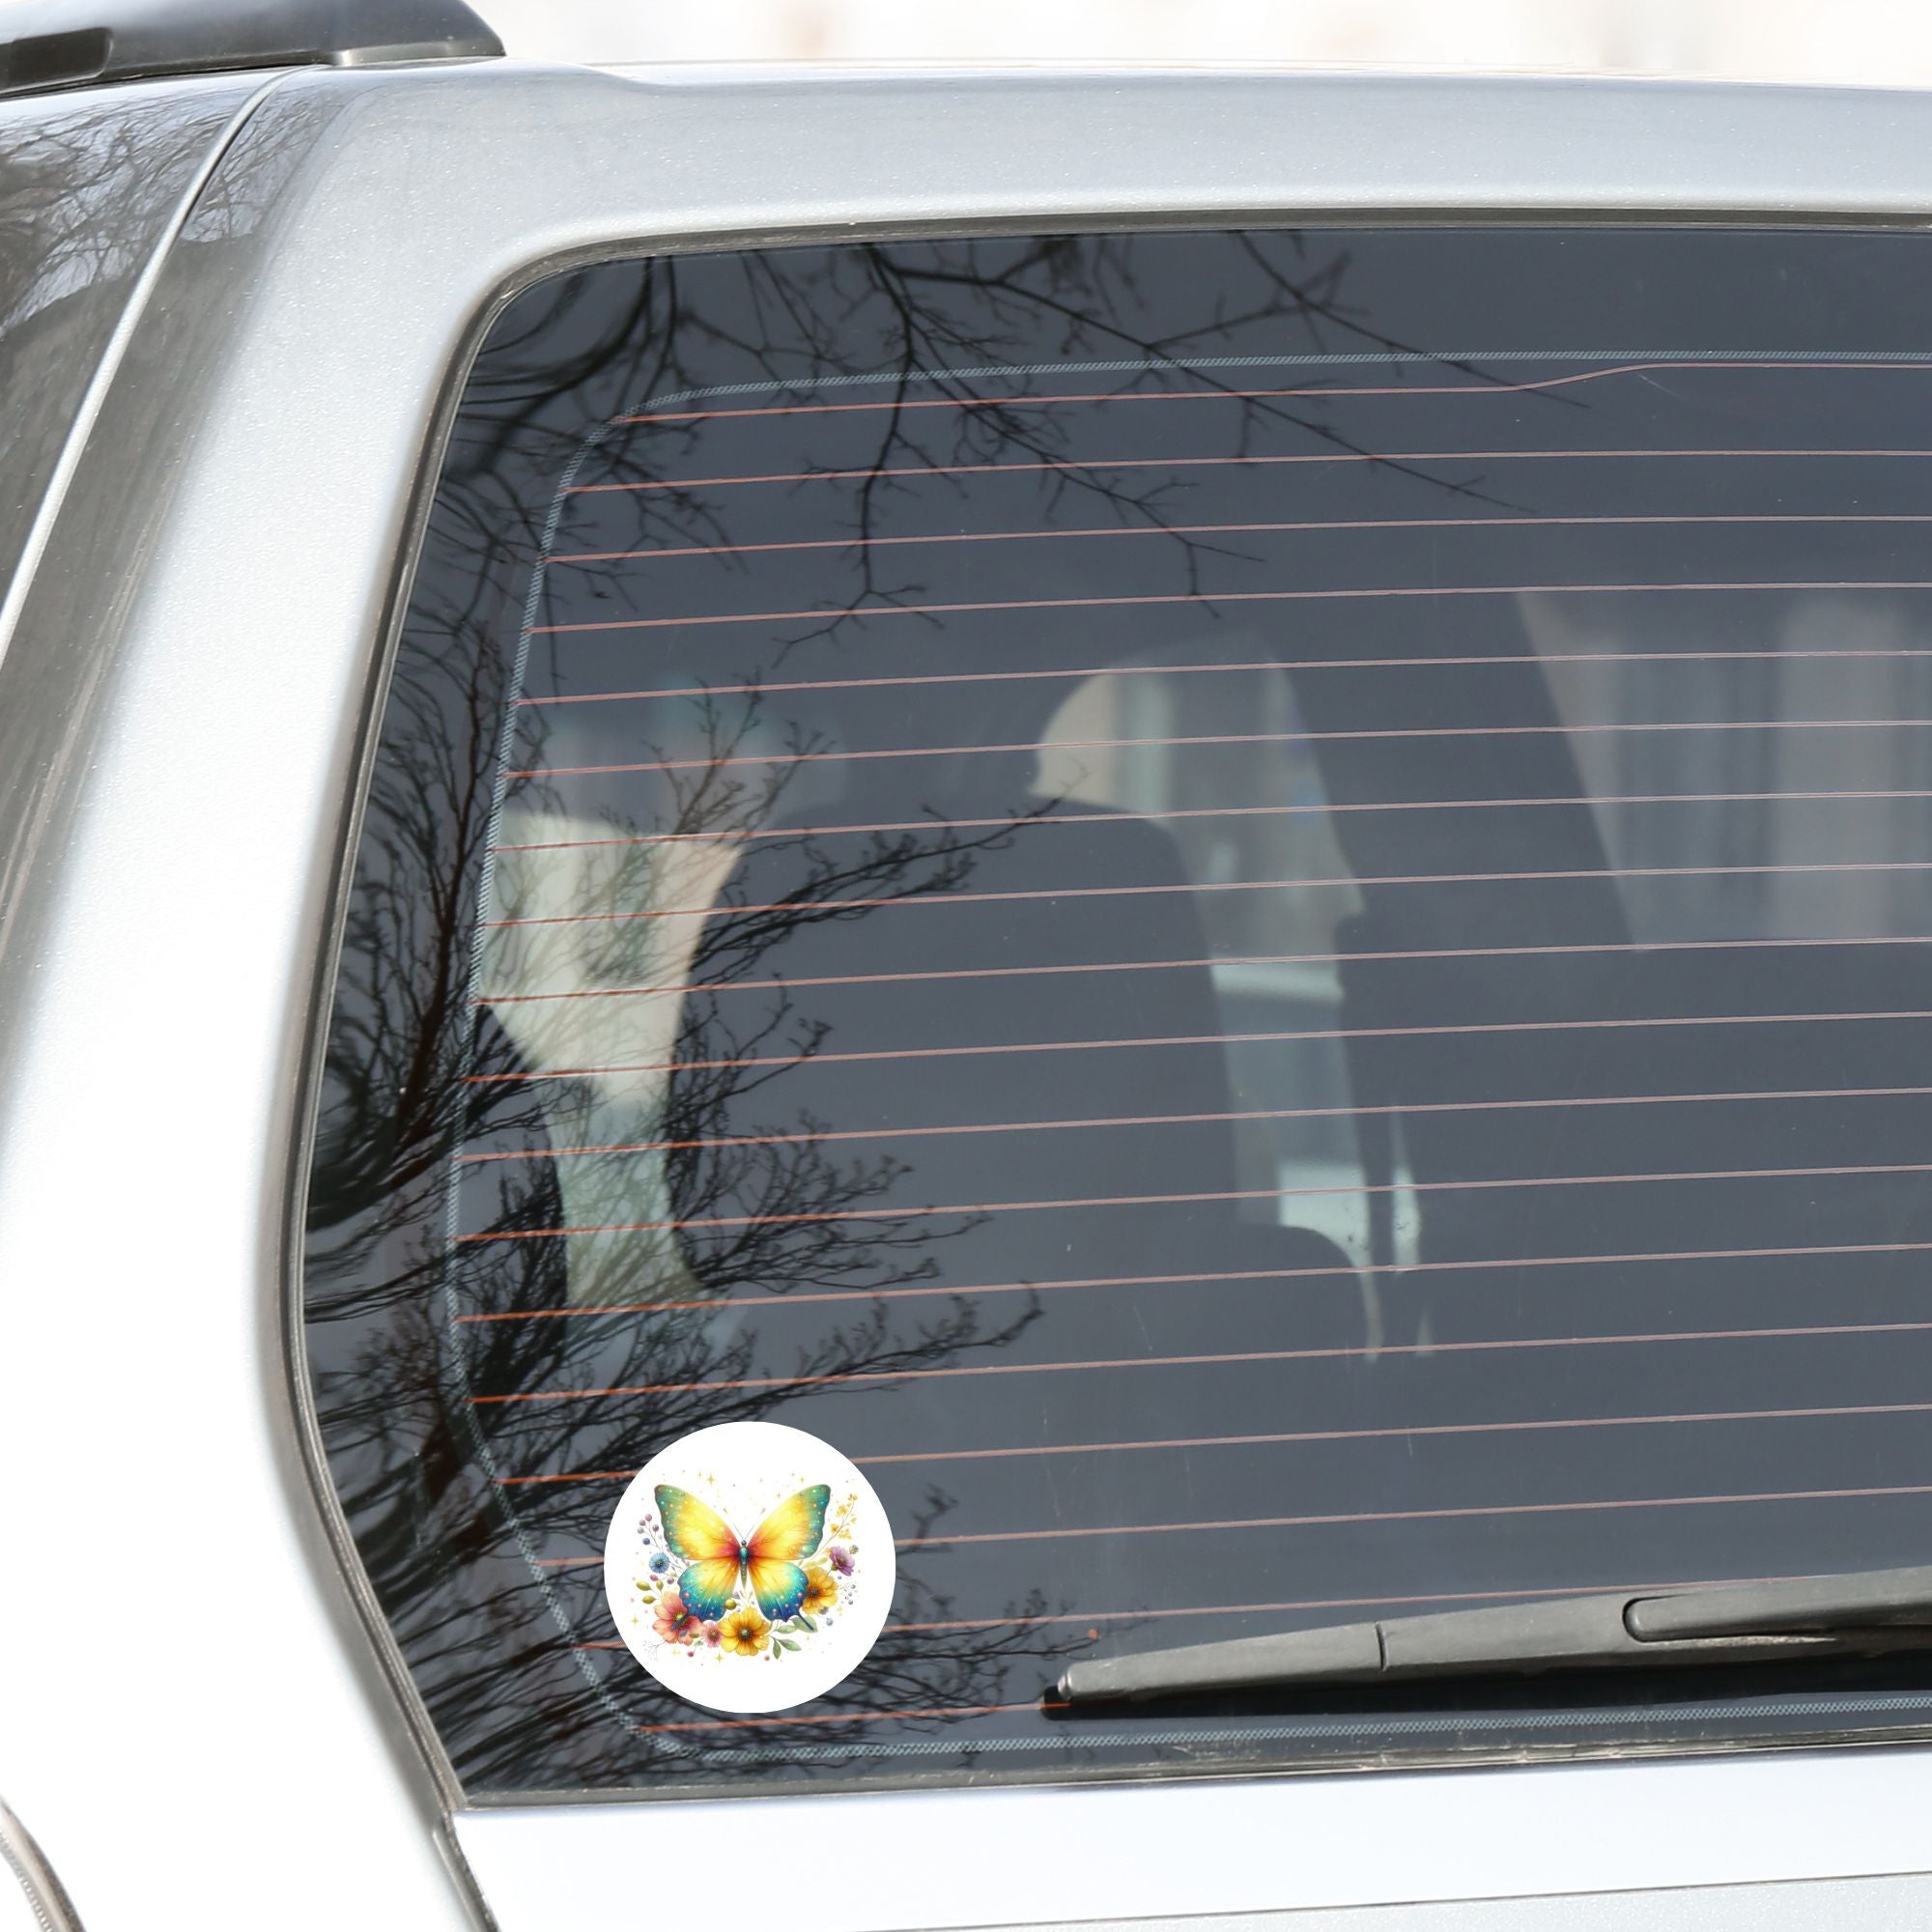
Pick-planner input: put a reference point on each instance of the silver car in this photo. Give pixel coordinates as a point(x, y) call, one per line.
point(1012, 979)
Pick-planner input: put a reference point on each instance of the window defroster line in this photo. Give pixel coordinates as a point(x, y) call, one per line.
point(1350, 1352)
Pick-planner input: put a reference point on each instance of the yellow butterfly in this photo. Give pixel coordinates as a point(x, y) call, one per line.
point(716, 1556)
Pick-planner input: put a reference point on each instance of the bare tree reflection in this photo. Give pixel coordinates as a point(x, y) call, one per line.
point(923, 323)
point(611, 1075)
point(437, 1484)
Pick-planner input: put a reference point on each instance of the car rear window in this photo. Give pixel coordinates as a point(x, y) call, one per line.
point(1250, 910)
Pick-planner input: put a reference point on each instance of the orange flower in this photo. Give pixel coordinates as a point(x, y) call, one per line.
point(821, 1593)
point(673, 1622)
point(743, 1633)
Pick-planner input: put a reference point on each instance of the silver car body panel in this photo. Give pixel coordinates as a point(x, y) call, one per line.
point(184, 716)
point(91, 189)
point(1342, 1846)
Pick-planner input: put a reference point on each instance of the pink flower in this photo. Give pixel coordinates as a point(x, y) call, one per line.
point(840, 1559)
point(674, 1622)
point(712, 1636)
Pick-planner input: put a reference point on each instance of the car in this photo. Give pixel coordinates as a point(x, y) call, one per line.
point(829, 1085)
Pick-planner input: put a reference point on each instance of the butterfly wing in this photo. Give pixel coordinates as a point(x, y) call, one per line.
point(792, 1531)
point(694, 1530)
point(706, 1586)
point(778, 1586)
point(709, 1545)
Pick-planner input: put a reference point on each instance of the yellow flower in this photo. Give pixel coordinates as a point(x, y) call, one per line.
point(821, 1593)
point(743, 1633)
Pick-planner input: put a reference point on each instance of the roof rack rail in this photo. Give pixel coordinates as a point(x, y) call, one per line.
point(57, 44)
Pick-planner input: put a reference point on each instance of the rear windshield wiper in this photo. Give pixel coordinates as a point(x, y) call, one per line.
point(1866, 1612)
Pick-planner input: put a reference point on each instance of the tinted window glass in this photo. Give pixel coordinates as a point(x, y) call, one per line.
point(1250, 910)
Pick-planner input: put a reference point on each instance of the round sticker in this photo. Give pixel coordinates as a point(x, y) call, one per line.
point(749, 1567)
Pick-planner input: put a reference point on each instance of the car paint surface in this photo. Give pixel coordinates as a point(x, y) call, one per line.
point(89, 188)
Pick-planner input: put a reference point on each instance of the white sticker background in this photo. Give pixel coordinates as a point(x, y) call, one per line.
point(743, 1470)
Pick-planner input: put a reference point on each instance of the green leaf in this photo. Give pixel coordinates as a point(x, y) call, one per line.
point(785, 1643)
point(802, 1622)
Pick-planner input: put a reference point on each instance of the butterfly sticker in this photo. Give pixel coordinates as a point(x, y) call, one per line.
point(717, 1557)
point(810, 1589)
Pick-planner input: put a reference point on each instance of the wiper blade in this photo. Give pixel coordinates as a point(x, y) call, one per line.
point(1861, 1614)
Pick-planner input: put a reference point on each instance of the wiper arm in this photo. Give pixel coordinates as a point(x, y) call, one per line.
point(1866, 1612)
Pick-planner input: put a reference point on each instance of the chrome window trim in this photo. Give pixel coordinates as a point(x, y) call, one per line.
point(255, 526)
point(39, 1885)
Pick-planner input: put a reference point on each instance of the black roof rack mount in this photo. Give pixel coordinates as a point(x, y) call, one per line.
point(55, 43)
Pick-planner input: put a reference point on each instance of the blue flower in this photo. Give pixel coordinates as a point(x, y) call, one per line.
point(660, 1562)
